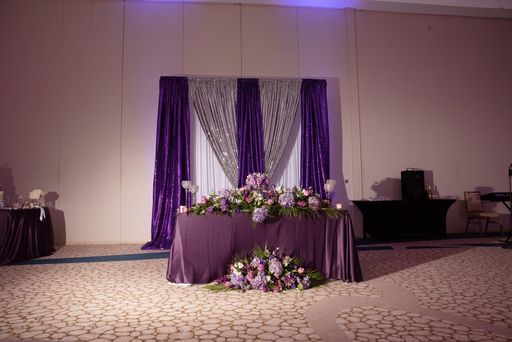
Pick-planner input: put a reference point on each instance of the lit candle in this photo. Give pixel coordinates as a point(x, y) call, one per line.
point(183, 209)
point(339, 206)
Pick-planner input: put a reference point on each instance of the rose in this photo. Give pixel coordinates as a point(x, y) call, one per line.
point(301, 203)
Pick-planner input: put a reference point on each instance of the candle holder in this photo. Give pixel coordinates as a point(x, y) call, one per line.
point(329, 188)
point(192, 188)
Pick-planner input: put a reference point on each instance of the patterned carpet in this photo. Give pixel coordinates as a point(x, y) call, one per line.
point(443, 290)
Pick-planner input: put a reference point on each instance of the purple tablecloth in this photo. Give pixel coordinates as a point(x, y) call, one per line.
point(204, 245)
point(23, 235)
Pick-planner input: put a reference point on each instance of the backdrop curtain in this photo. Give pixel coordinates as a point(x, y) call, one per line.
point(214, 104)
point(314, 164)
point(251, 157)
point(172, 160)
point(205, 169)
point(288, 168)
point(279, 105)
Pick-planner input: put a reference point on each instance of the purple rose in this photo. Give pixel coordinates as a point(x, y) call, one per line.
point(306, 282)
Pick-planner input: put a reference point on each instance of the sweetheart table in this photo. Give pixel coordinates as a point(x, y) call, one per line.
point(204, 245)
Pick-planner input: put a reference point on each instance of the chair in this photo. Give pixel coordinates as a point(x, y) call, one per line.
point(476, 212)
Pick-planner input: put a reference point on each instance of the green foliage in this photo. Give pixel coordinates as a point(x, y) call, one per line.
point(217, 287)
point(261, 253)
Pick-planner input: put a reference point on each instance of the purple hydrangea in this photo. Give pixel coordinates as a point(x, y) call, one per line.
point(275, 267)
point(287, 200)
point(259, 282)
point(314, 202)
point(259, 215)
point(237, 280)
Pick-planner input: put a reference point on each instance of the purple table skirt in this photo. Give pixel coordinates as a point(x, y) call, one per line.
point(204, 245)
point(23, 235)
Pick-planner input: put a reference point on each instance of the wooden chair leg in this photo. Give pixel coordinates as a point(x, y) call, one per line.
point(486, 224)
point(467, 225)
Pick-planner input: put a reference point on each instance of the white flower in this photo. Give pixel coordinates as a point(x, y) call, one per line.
point(193, 188)
point(36, 194)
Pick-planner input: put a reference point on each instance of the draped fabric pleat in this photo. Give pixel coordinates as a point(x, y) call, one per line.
point(288, 169)
point(279, 105)
point(314, 165)
point(172, 160)
point(251, 157)
point(214, 104)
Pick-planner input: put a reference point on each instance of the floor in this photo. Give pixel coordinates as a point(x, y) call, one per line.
point(443, 290)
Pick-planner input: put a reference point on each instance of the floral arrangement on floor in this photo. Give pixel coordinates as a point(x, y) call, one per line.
point(267, 271)
point(263, 200)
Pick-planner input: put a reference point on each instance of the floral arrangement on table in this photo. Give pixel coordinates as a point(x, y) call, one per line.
point(263, 200)
point(36, 197)
point(267, 271)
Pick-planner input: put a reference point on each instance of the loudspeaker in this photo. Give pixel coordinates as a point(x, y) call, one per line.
point(413, 185)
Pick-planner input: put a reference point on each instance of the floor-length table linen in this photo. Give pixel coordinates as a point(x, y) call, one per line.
point(25, 234)
point(204, 245)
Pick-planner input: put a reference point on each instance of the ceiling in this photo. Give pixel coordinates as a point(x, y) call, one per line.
point(478, 8)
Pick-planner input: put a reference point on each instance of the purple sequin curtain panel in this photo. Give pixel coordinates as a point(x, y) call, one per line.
point(172, 160)
point(314, 162)
point(251, 157)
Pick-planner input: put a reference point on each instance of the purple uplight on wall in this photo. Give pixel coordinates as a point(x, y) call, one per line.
point(289, 3)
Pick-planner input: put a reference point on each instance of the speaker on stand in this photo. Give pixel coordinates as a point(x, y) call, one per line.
point(413, 185)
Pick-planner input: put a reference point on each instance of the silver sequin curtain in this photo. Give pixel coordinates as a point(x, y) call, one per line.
point(280, 101)
point(214, 103)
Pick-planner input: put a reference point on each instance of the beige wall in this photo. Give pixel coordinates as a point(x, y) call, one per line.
point(79, 92)
point(435, 93)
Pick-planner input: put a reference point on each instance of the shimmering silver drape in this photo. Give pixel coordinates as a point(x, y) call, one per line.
point(280, 101)
point(214, 103)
